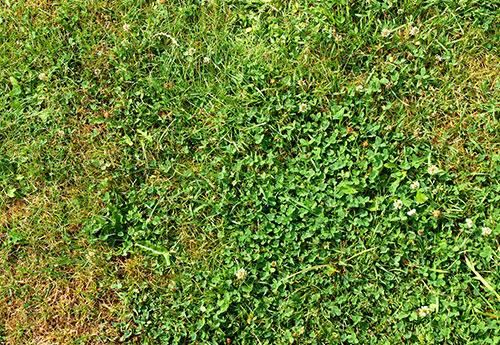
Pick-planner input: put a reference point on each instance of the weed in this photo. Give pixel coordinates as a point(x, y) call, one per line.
point(263, 172)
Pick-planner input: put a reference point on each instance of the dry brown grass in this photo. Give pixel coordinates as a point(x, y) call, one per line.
point(51, 292)
point(55, 285)
point(57, 305)
point(460, 127)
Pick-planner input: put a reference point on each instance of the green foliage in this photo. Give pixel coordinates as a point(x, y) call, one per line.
point(274, 137)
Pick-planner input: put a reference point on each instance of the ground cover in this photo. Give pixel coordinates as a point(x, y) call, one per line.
point(249, 172)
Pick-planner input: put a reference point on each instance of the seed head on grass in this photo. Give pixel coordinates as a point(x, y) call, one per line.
point(168, 36)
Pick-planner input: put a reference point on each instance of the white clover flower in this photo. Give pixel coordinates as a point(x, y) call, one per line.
point(359, 88)
point(439, 58)
point(203, 309)
point(434, 191)
point(124, 42)
point(423, 311)
point(400, 11)
point(126, 27)
point(469, 223)
point(485, 231)
point(414, 31)
point(398, 204)
point(386, 32)
point(302, 107)
point(411, 212)
point(432, 170)
point(42, 76)
point(241, 274)
point(338, 38)
point(415, 185)
point(206, 59)
point(191, 51)
point(302, 82)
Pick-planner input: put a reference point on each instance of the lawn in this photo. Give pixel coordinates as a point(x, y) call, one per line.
point(250, 172)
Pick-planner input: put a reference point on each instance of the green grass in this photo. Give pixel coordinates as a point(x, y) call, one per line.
point(150, 150)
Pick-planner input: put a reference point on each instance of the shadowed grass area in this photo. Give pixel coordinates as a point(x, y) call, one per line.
point(249, 172)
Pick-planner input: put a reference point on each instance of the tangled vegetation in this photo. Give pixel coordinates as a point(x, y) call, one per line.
point(250, 172)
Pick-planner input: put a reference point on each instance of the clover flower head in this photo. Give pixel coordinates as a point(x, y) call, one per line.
point(432, 170)
point(485, 231)
point(423, 311)
point(241, 274)
point(398, 204)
